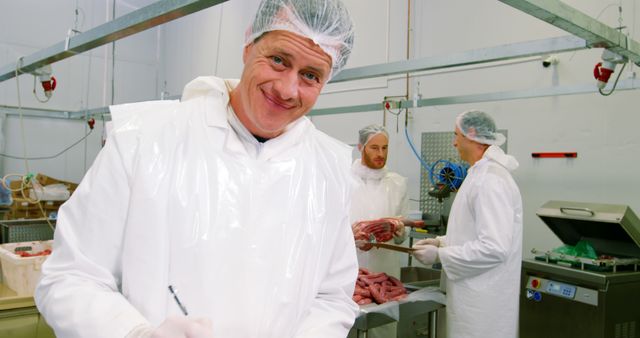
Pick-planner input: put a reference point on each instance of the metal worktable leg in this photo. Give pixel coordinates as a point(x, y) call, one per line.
point(433, 326)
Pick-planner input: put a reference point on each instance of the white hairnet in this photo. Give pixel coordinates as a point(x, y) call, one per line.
point(478, 126)
point(366, 133)
point(326, 22)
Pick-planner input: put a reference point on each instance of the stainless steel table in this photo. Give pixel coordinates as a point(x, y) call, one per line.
point(423, 302)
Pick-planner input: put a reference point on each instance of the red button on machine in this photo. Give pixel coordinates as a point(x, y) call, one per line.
point(535, 283)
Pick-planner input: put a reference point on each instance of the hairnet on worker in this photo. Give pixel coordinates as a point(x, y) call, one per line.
point(367, 133)
point(478, 126)
point(327, 23)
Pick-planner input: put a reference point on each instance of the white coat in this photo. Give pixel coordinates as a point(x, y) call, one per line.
point(254, 236)
point(482, 251)
point(378, 193)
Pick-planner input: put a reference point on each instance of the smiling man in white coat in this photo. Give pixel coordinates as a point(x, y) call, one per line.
point(231, 196)
point(481, 252)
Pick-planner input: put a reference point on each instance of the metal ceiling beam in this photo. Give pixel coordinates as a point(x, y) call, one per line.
point(90, 113)
point(590, 88)
point(628, 84)
point(581, 25)
point(477, 56)
point(466, 58)
point(35, 112)
point(52, 113)
point(129, 24)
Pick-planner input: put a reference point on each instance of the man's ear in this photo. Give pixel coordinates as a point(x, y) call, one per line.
point(471, 132)
point(359, 147)
point(245, 52)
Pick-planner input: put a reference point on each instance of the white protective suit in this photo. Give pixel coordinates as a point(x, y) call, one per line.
point(482, 251)
point(378, 193)
point(254, 236)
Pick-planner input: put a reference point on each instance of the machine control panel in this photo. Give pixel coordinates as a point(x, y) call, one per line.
point(560, 289)
point(537, 286)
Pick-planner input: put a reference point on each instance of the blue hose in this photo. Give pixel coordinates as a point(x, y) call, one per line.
point(415, 152)
point(451, 174)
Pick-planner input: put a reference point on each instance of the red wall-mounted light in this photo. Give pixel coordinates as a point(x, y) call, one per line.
point(554, 155)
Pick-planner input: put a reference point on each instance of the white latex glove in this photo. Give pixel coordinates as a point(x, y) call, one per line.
point(425, 253)
point(176, 327)
point(431, 241)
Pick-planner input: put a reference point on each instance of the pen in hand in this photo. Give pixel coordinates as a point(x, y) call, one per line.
point(175, 296)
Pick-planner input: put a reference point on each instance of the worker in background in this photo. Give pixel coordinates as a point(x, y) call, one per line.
point(231, 197)
point(379, 193)
point(481, 252)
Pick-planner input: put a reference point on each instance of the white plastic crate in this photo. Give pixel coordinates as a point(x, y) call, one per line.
point(21, 274)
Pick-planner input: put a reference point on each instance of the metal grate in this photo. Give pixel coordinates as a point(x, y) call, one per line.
point(26, 230)
point(625, 330)
point(439, 146)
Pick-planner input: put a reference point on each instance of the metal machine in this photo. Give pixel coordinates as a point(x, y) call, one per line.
point(569, 296)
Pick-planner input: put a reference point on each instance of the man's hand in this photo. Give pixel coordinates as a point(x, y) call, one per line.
point(399, 231)
point(361, 237)
point(381, 230)
point(184, 327)
point(398, 226)
point(425, 253)
point(430, 241)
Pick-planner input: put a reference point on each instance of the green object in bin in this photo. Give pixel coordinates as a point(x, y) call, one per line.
point(581, 249)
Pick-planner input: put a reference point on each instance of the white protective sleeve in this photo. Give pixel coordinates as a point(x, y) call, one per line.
point(79, 292)
point(333, 312)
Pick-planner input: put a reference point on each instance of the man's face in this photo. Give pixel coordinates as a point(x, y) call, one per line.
point(282, 78)
point(464, 145)
point(374, 154)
